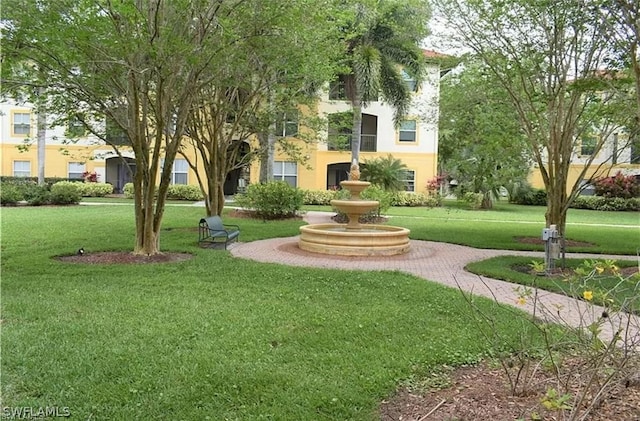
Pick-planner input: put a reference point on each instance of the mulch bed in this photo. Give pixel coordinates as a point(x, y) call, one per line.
point(481, 393)
point(121, 257)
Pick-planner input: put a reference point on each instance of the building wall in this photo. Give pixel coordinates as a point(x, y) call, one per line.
point(536, 181)
point(419, 156)
point(616, 144)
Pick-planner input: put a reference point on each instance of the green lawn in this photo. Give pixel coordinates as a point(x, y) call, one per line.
point(213, 336)
point(501, 227)
point(225, 338)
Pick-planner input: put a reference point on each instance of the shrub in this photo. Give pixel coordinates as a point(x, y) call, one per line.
point(389, 173)
point(625, 187)
point(373, 192)
point(273, 200)
point(527, 195)
point(318, 197)
point(37, 195)
point(65, 193)
point(128, 190)
point(184, 192)
point(404, 198)
point(606, 203)
point(95, 189)
point(474, 200)
point(10, 194)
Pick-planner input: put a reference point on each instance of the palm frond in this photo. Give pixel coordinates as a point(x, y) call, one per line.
point(394, 90)
point(366, 66)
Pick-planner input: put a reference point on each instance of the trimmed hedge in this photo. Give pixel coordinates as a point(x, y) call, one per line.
point(95, 189)
point(65, 193)
point(319, 197)
point(174, 192)
point(404, 198)
point(10, 194)
point(606, 203)
point(184, 192)
point(49, 181)
point(527, 195)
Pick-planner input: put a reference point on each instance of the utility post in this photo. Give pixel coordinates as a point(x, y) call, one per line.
point(551, 247)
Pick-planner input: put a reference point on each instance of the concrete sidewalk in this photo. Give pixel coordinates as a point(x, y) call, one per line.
point(444, 263)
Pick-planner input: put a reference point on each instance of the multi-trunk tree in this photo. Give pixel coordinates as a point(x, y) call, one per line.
point(549, 56)
point(130, 67)
point(270, 75)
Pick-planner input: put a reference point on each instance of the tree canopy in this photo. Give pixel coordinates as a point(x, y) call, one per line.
point(382, 40)
point(549, 57)
point(481, 144)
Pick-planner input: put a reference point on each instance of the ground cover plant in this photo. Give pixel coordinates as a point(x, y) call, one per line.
point(606, 287)
point(210, 336)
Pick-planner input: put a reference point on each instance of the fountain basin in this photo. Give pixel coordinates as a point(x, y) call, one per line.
point(370, 240)
point(355, 187)
point(353, 209)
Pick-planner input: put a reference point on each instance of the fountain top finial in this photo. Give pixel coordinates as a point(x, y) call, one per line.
point(354, 174)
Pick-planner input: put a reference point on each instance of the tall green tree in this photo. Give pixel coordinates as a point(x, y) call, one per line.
point(134, 64)
point(623, 33)
point(548, 56)
point(481, 144)
point(382, 39)
point(259, 87)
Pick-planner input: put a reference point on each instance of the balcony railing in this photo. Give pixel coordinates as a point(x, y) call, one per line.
point(368, 142)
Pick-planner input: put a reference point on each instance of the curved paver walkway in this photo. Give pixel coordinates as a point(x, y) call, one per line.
point(444, 263)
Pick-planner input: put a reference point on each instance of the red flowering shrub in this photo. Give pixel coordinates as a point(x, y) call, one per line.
point(619, 185)
point(434, 184)
point(90, 177)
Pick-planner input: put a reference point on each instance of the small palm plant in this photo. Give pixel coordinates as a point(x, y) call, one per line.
point(387, 173)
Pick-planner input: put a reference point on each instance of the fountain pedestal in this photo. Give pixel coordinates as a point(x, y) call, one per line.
point(353, 238)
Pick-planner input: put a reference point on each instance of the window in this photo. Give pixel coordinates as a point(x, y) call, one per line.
point(287, 124)
point(407, 131)
point(410, 82)
point(75, 127)
point(338, 88)
point(76, 170)
point(115, 135)
point(180, 171)
point(286, 171)
point(339, 131)
point(410, 181)
point(588, 145)
point(21, 168)
point(22, 124)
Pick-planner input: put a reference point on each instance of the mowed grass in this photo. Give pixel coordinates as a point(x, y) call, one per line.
point(608, 289)
point(213, 337)
point(506, 225)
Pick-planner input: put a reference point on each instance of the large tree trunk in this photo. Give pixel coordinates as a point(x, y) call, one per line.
point(147, 238)
point(487, 201)
point(268, 146)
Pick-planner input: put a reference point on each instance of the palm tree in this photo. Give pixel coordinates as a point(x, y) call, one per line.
point(388, 173)
point(382, 44)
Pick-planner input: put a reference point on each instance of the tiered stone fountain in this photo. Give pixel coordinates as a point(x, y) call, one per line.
point(353, 238)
